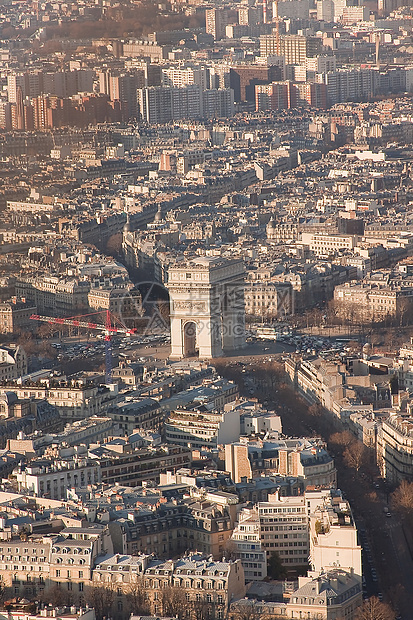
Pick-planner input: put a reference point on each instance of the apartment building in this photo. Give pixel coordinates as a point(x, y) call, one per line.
point(373, 302)
point(314, 464)
point(281, 233)
point(202, 429)
point(246, 545)
point(13, 362)
point(295, 48)
point(51, 478)
point(15, 317)
point(134, 412)
point(146, 49)
point(63, 560)
point(121, 301)
point(216, 20)
point(334, 594)
point(237, 463)
point(284, 529)
point(175, 527)
point(395, 448)
point(272, 299)
point(323, 245)
point(134, 467)
point(80, 432)
point(162, 104)
point(54, 295)
point(73, 401)
point(319, 380)
point(275, 96)
point(181, 77)
point(333, 533)
point(214, 583)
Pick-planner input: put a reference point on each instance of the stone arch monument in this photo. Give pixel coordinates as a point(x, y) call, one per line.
point(206, 307)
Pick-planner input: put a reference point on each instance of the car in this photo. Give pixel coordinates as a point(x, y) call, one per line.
point(388, 514)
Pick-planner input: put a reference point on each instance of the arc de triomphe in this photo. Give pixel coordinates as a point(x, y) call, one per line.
point(206, 307)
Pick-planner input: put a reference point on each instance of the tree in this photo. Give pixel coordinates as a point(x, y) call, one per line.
point(275, 568)
point(137, 598)
point(46, 330)
point(200, 610)
point(114, 244)
point(402, 501)
point(101, 599)
point(174, 602)
point(246, 610)
point(4, 591)
point(230, 550)
point(341, 440)
point(355, 455)
point(373, 609)
point(52, 595)
point(315, 410)
point(27, 342)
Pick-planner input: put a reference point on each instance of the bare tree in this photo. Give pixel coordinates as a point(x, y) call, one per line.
point(27, 342)
point(174, 602)
point(230, 549)
point(402, 501)
point(315, 410)
point(246, 610)
point(341, 440)
point(101, 599)
point(46, 331)
point(114, 244)
point(137, 598)
point(373, 609)
point(52, 595)
point(4, 591)
point(201, 610)
point(355, 455)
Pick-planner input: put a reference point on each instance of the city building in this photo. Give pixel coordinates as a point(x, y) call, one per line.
point(202, 429)
point(245, 543)
point(15, 317)
point(284, 529)
point(333, 534)
point(13, 362)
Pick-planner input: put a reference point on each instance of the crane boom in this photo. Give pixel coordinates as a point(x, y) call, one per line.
point(109, 329)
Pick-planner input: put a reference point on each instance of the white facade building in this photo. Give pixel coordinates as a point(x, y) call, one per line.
point(248, 547)
point(284, 528)
point(201, 429)
point(333, 533)
point(47, 478)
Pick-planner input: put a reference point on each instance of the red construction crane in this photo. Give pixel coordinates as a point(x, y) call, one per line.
point(108, 329)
